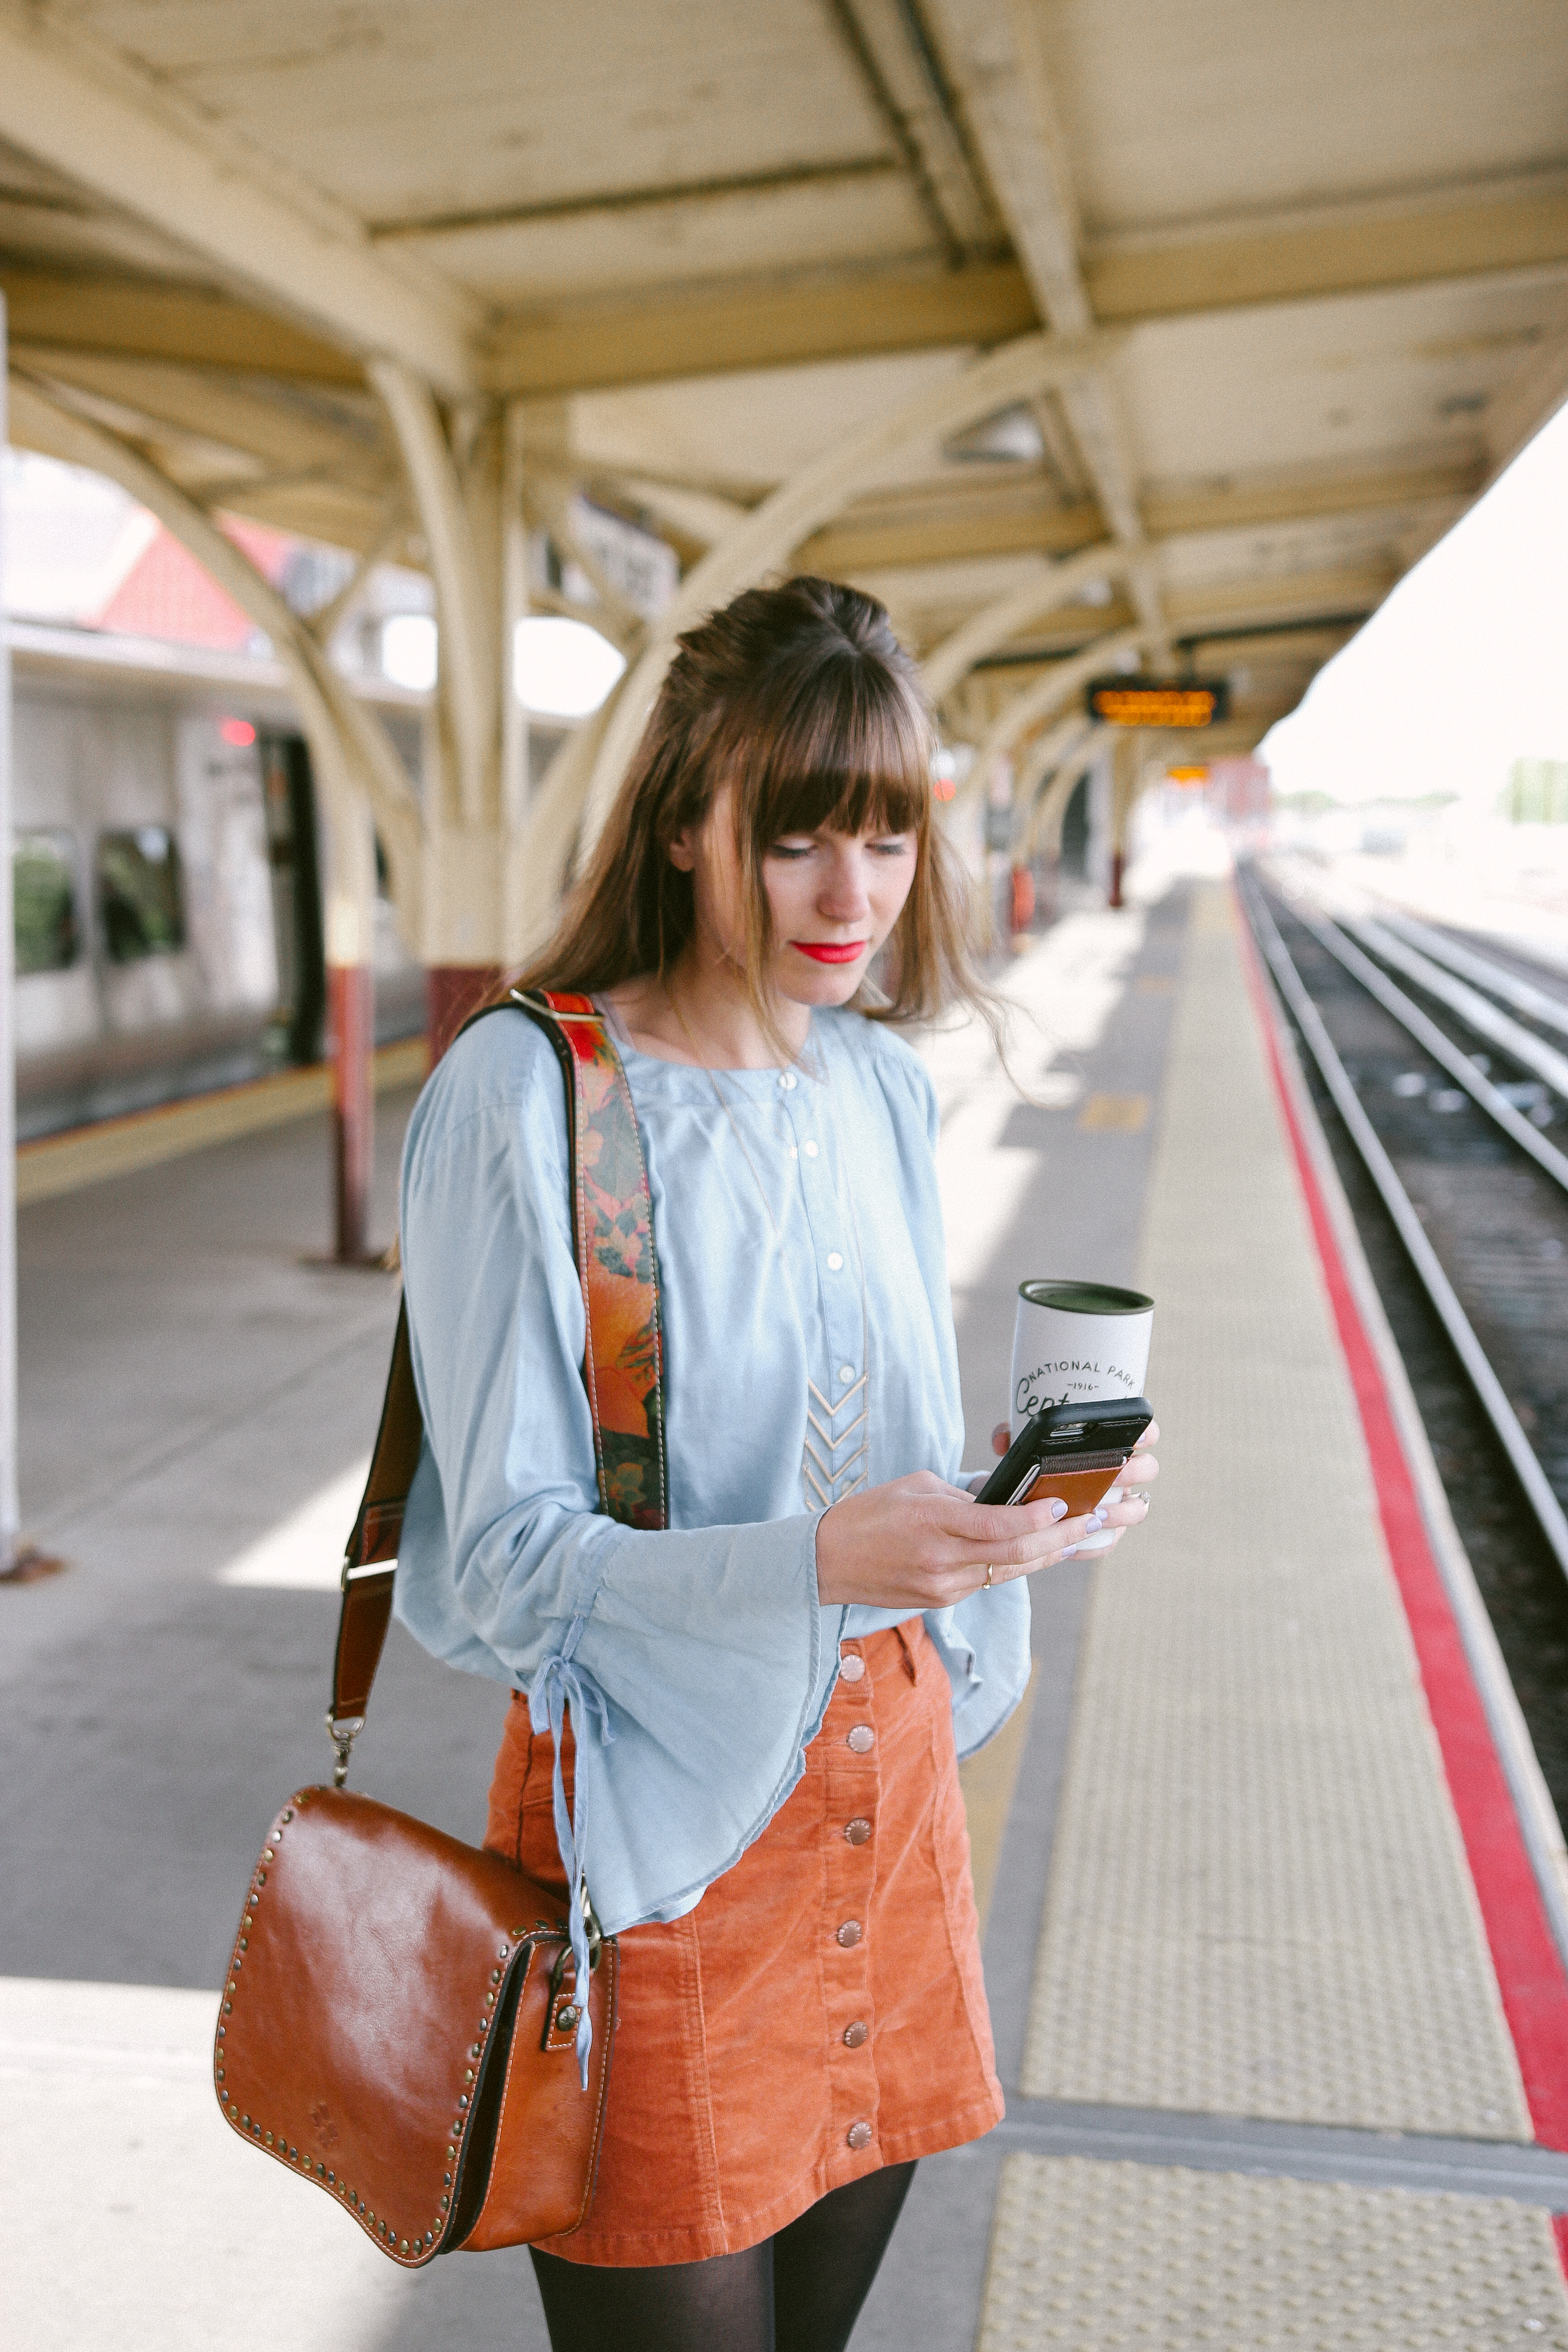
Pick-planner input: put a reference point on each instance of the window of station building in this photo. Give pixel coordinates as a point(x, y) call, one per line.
point(141, 893)
point(43, 879)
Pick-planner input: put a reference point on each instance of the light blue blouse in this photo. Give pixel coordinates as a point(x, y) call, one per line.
point(699, 1656)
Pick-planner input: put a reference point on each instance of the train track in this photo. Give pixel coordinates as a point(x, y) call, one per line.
point(1440, 1074)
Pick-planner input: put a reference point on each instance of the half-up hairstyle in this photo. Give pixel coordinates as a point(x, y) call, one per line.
point(802, 698)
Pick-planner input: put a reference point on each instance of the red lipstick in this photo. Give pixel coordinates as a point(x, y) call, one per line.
point(831, 950)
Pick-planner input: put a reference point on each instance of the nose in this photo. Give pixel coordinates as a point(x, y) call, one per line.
point(844, 897)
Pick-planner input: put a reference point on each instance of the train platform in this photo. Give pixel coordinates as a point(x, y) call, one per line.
point(1282, 2021)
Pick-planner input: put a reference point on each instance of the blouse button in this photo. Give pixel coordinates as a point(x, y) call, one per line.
point(851, 1667)
point(854, 2035)
point(850, 1933)
point(858, 1831)
point(787, 1080)
point(834, 1260)
point(811, 1150)
point(862, 1738)
point(846, 1371)
point(859, 2135)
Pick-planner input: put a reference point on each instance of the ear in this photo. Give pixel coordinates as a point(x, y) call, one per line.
point(681, 853)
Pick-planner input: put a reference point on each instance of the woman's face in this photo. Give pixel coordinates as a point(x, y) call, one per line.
point(834, 897)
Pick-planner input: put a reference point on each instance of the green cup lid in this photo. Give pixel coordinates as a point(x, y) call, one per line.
point(1085, 1297)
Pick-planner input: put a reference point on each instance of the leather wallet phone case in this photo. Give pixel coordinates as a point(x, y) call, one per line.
point(399, 2022)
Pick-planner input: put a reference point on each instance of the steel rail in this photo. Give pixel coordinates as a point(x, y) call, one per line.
point(1471, 1006)
point(1538, 1003)
point(1488, 1389)
point(1436, 1042)
point(1537, 1814)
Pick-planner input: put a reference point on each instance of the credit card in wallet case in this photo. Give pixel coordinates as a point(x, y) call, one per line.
point(1074, 1451)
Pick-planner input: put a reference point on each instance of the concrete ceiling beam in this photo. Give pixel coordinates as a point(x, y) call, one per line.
point(69, 105)
point(595, 345)
point(939, 523)
point(903, 76)
point(601, 342)
point(150, 320)
point(943, 525)
point(997, 60)
point(1483, 232)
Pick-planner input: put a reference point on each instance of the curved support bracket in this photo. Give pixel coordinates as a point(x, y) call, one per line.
point(994, 625)
point(1051, 692)
point(470, 655)
point(353, 753)
point(819, 492)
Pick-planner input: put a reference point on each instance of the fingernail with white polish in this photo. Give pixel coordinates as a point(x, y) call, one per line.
point(1059, 1509)
point(1069, 1553)
point(1096, 1521)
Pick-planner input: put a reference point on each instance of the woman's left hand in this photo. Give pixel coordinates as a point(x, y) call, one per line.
point(1138, 1476)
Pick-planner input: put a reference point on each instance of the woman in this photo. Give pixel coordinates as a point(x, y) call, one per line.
point(777, 1684)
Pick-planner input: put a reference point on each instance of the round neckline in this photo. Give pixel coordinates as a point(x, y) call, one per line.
point(774, 1070)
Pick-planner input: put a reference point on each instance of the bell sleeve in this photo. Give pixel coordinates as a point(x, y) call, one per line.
point(695, 1664)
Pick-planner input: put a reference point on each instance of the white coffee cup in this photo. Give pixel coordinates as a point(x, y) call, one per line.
point(1073, 1341)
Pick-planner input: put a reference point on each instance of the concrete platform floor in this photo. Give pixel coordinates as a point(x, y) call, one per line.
point(1181, 1986)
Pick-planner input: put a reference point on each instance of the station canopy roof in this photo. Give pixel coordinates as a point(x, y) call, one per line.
point(1309, 263)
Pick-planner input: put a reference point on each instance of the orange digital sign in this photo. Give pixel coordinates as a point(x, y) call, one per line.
point(1157, 702)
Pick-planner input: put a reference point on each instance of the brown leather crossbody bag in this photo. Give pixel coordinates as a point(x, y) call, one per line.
point(402, 2022)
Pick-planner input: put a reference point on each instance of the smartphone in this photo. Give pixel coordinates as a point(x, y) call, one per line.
point(1075, 1451)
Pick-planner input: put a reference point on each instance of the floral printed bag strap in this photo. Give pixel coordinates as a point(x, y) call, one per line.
point(623, 1368)
point(611, 1226)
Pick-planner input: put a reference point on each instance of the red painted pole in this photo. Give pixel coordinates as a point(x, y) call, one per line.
point(453, 991)
point(351, 1048)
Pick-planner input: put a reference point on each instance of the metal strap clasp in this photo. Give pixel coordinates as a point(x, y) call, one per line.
point(342, 1731)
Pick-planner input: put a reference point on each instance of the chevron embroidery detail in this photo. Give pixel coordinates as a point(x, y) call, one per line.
point(829, 1482)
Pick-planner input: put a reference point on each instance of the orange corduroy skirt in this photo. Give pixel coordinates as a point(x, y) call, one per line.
point(822, 2011)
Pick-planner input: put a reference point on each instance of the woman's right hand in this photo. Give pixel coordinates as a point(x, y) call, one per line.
point(918, 1543)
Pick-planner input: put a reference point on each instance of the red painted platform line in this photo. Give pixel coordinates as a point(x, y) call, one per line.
point(1529, 1970)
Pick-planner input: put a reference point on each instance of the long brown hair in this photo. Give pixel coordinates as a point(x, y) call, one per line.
point(802, 699)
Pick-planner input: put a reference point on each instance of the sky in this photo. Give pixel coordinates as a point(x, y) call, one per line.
point(1463, 669)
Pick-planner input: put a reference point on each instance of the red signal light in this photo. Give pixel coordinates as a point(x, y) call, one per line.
point(237, 731)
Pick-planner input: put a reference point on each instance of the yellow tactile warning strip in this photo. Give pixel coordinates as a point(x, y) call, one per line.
point(1259, 1903)
point(115, 1146)
point(1094, 2255)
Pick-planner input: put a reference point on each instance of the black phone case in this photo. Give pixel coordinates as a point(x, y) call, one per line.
point(1076, 1441)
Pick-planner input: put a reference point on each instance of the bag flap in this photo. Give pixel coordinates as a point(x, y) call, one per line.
point(382, 1976)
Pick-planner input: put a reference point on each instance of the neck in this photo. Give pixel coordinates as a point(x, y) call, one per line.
point(704, 1015)
point(715, 1014)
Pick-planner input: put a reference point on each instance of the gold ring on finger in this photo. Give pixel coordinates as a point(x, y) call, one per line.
point(989, 1573)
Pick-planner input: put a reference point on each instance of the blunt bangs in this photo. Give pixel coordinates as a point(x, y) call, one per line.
point(846, 749)
point(799, 699)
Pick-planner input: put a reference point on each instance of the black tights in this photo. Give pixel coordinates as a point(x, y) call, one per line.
point(798, 2292)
